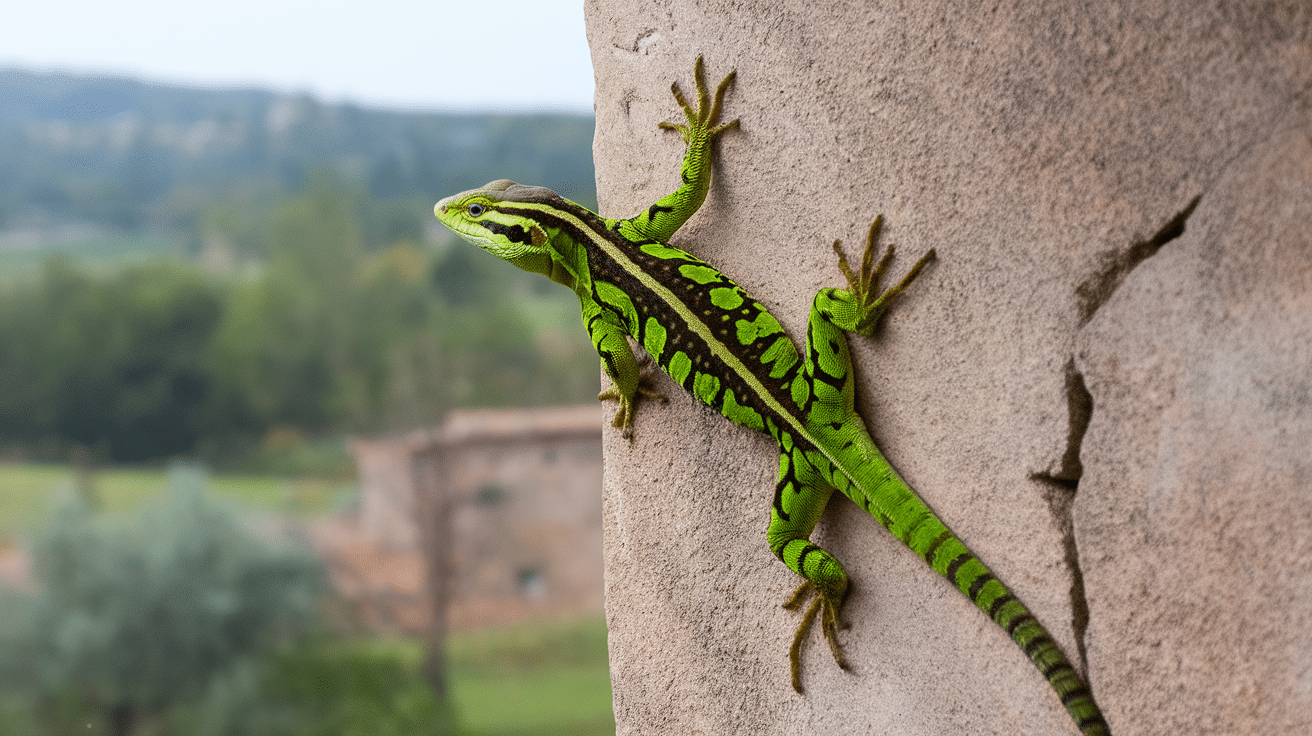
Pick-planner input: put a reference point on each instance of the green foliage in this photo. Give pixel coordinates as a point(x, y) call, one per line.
point(320, 687)
point(139, 613)
point(18, 637)
point(458, 276)
point(330, 335)
point(113, 363)
point(356, 691)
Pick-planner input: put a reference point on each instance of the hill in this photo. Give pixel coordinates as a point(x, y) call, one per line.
point(81, 155)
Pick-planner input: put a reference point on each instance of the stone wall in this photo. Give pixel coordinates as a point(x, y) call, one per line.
point(492, 518)
point(1102, 385)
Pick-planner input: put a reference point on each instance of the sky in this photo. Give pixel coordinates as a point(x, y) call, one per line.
point(406, 54)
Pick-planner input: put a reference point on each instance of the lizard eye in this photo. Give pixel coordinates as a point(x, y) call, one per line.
point(475, 210)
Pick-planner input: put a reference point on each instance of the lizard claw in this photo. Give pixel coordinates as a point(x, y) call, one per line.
point(703, 119)
point(629, 404)
point(827, 609)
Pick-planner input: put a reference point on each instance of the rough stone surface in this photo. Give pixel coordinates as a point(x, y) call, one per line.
point(1193, 513)
point(1119, 194)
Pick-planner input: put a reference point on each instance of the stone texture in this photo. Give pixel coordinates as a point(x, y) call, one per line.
point(1118, 193)
point(1193, 513)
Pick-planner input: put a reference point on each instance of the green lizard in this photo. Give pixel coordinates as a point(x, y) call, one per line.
point(722, 345)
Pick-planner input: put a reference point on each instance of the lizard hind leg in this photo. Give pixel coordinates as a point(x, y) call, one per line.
point(800, 498)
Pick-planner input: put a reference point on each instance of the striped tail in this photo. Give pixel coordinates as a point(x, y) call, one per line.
point(951, 559)
point(922, 531)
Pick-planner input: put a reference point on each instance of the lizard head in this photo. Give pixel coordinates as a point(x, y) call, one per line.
point(510, 221)
point(504, 219)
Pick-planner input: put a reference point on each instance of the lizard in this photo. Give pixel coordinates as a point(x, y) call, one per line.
point(729, 352)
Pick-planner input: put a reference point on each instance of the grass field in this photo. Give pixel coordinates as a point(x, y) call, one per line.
point(534, 679)
point(553, 702)
point(28, 492)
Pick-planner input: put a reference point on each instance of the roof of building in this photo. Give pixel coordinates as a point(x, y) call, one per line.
point(494, 425)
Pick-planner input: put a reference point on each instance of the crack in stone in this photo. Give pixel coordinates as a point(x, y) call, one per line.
point(1061, 485)
point(641, 42)
point(1079, 406)
point(1095, 291)
point(1059, 490)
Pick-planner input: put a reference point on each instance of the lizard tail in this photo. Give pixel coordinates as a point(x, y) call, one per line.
point(912, 521)
point(960, 566)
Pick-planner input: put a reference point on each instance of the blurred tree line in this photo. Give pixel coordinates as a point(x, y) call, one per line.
point(327, 312)
point(135, 156)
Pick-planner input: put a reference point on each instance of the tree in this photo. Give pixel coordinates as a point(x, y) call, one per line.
point(139, 613)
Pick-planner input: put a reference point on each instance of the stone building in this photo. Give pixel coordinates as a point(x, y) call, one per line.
point(520, 534)
point(495, 517)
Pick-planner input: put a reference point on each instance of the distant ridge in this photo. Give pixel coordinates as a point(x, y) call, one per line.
point(109, 150)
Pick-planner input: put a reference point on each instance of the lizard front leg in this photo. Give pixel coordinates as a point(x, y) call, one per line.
point(670, 212)
point(631, 384)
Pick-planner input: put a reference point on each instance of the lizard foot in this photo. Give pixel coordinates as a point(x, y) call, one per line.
point(629, 404)
point(827, 609)
point(702, 121)
point(864, 287)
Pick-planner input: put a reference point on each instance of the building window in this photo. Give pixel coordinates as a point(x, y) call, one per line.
point(490, 495)
point(531, 583)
